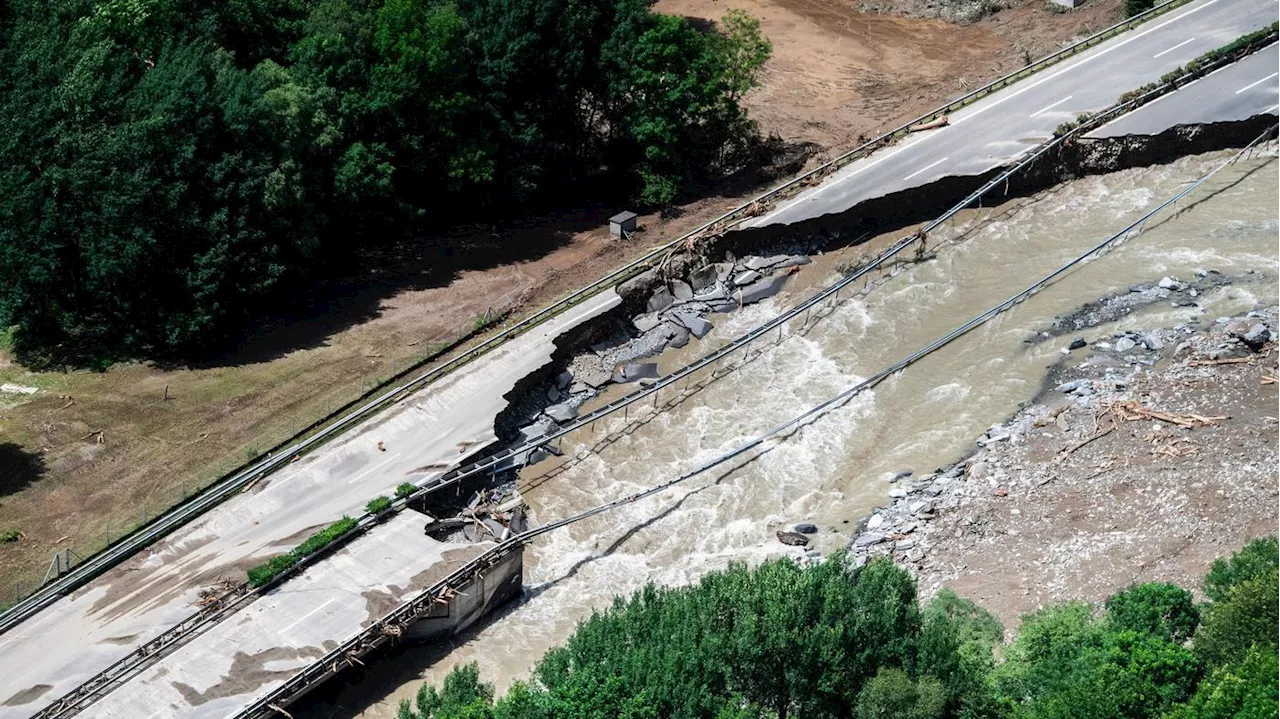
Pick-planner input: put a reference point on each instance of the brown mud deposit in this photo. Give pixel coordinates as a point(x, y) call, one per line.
point(1133, 465)
point(247, 673)
point(26, 696)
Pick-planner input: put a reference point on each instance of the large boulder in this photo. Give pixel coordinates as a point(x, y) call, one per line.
point(794, 539)
point(681, 290)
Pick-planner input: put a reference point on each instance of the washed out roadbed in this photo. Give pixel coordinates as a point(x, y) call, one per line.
point(1147, 456)
point(88, 455)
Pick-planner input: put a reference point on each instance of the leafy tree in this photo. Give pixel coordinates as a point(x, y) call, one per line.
point(1247, 617)
point(168, 166)
point(674, 104)
point(790, 640)
point(1157, 608)
point(955, 646)
point(1254, 560)
point(1245, 689)
point(891, 694)
point(1065, 663)
point(461, 696)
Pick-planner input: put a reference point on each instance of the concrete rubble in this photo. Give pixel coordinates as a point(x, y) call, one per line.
point(675, 312)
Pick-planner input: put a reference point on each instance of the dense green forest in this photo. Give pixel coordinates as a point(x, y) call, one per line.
point(823, 642)
point(166, 165)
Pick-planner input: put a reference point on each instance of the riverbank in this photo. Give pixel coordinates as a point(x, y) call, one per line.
point(1147, 454)
point(85, 456)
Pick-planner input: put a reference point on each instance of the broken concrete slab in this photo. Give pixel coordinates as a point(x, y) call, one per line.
point(698, 326)
point(679, 336)
point(646, 322)
point(745, 278)
point(762, 289)
point(636, 370)
point(681, 290)
point(660, 300)
point(563, 412)
point(702, 278)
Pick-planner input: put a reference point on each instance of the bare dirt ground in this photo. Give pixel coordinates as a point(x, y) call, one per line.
point(1135, 465)
point(92, 454)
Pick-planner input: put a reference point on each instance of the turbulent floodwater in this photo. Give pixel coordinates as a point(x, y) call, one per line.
point(834, 471)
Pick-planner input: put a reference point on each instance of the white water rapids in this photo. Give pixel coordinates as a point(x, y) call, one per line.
point(834, 471)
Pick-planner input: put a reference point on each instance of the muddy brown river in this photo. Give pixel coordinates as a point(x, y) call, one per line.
point(832, 472)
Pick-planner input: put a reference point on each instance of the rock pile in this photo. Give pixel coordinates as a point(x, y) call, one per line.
point(950, 505)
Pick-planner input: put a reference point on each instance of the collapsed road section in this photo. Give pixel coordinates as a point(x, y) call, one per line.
point(745, 275)
point(996, 130)
point(351, 651)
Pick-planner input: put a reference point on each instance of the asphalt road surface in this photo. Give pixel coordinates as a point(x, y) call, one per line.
point(994, 131)
point(1236, 92)
point(436, 428)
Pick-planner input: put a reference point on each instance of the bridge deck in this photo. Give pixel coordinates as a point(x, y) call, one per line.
point(261, 646)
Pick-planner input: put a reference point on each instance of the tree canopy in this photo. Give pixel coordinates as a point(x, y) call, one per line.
point(781, 641)
point(167, 165)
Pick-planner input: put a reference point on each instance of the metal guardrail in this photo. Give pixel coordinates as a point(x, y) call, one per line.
point(288, 450)
point(394, 623)
point(241, 595)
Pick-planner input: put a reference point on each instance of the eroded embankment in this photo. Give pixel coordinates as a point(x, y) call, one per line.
point(662, 307)
point(1079, 157)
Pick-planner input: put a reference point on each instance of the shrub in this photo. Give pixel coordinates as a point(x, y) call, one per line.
point(1134, 7)
point(378, 504)
point(274, 567)
point(1156, 608)
point(1246, 618)
point(10, 536)
point(405, 489)
point(1254, 560)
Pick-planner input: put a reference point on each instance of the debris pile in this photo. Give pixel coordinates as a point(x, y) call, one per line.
point(492, 515)
point(1121, 469)
point(675, 313)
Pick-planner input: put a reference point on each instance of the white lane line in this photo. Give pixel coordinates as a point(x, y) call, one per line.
point(1083, 61)
point(1271, 109)
point(1050, 107)
point(308, 615)
point(1256, 82)
point(917, 172)
point(840, 179)
point(360, 476)
point(1175, 47)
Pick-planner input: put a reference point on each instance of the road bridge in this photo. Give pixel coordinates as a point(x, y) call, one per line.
point(156, 591)
point(426, 434)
